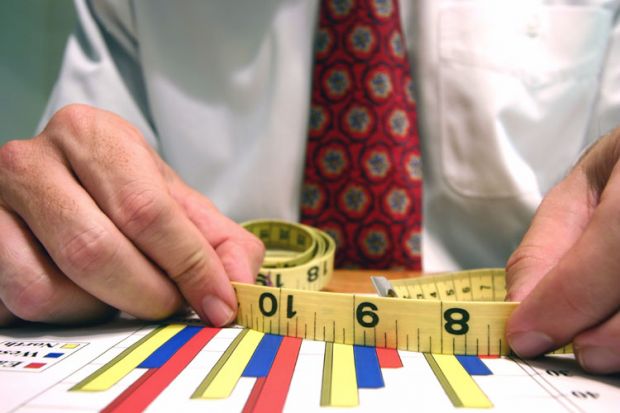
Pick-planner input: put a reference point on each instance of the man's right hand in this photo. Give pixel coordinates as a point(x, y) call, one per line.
point(92, 220)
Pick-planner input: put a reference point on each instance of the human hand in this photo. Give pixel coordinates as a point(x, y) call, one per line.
point(92, 220)
point(567, 269)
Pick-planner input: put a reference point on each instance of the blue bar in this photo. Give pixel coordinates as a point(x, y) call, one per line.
point(53, 355)
point(167, 350)
point(367, 368)
point(263, 356)
point(474, 366)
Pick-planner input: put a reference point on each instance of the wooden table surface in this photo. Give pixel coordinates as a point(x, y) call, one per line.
point(358, 281)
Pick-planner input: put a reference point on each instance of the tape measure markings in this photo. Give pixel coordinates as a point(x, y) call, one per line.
point(454, 313)
point(312, 274)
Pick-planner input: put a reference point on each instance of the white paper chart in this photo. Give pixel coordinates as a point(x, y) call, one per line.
point(129, 366)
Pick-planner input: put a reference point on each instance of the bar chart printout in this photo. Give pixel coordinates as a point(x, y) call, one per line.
point(191, 367)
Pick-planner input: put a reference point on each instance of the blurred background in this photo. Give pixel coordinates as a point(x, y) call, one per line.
point(32, 39)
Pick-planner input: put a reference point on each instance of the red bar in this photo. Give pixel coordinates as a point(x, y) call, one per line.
point(143, 392)
point(273, 392)
point(250, 404)
point(388, 358)
point(489, 356)
point(122, 398)
point(34, 365)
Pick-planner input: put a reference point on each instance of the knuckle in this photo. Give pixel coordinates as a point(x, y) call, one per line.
point(15, 157)
point(142, 209)
point(31, 301)
point(524, 269)
point(191, 271)
point(521, 259)
point(231, 255)
point(257, 250)
point(256, 246)
point(81, 122)
point(528, 258)
point(74, 118)
point(88, 250)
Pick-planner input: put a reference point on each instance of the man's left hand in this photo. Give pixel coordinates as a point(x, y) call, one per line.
point(566, 271)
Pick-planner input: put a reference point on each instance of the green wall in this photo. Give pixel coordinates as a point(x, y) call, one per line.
point(33, 34)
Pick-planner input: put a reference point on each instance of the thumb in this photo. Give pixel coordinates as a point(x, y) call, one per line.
point(556, 227)
point(558, 223)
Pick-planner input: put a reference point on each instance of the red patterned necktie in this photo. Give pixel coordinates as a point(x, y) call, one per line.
point(362, 181)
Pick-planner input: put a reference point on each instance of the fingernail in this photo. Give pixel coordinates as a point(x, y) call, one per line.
point(530, 343)
point(598, 359)
point(217, 311)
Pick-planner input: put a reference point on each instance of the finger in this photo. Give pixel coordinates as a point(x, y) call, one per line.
point(6, 317)
point(580, 291)
point(598, 349)
point(119, 171)
point(558, 223)
point(240, 251)
point(32, 288)
point(83, 243)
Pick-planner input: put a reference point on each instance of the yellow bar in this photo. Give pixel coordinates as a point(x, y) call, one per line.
point(225, 381)
point(215, 370)
point(344, 380)
point(326, 383)
point(107, 376)
point(462, 384)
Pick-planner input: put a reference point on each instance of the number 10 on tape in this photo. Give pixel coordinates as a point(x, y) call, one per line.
point(426, 325)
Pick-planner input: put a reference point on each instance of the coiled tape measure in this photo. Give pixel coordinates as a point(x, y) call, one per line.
point(453, 313)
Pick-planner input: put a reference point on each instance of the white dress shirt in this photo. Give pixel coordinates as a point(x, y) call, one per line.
point(509, 93)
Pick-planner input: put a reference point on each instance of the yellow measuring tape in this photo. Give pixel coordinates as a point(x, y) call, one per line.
point(454, 313)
